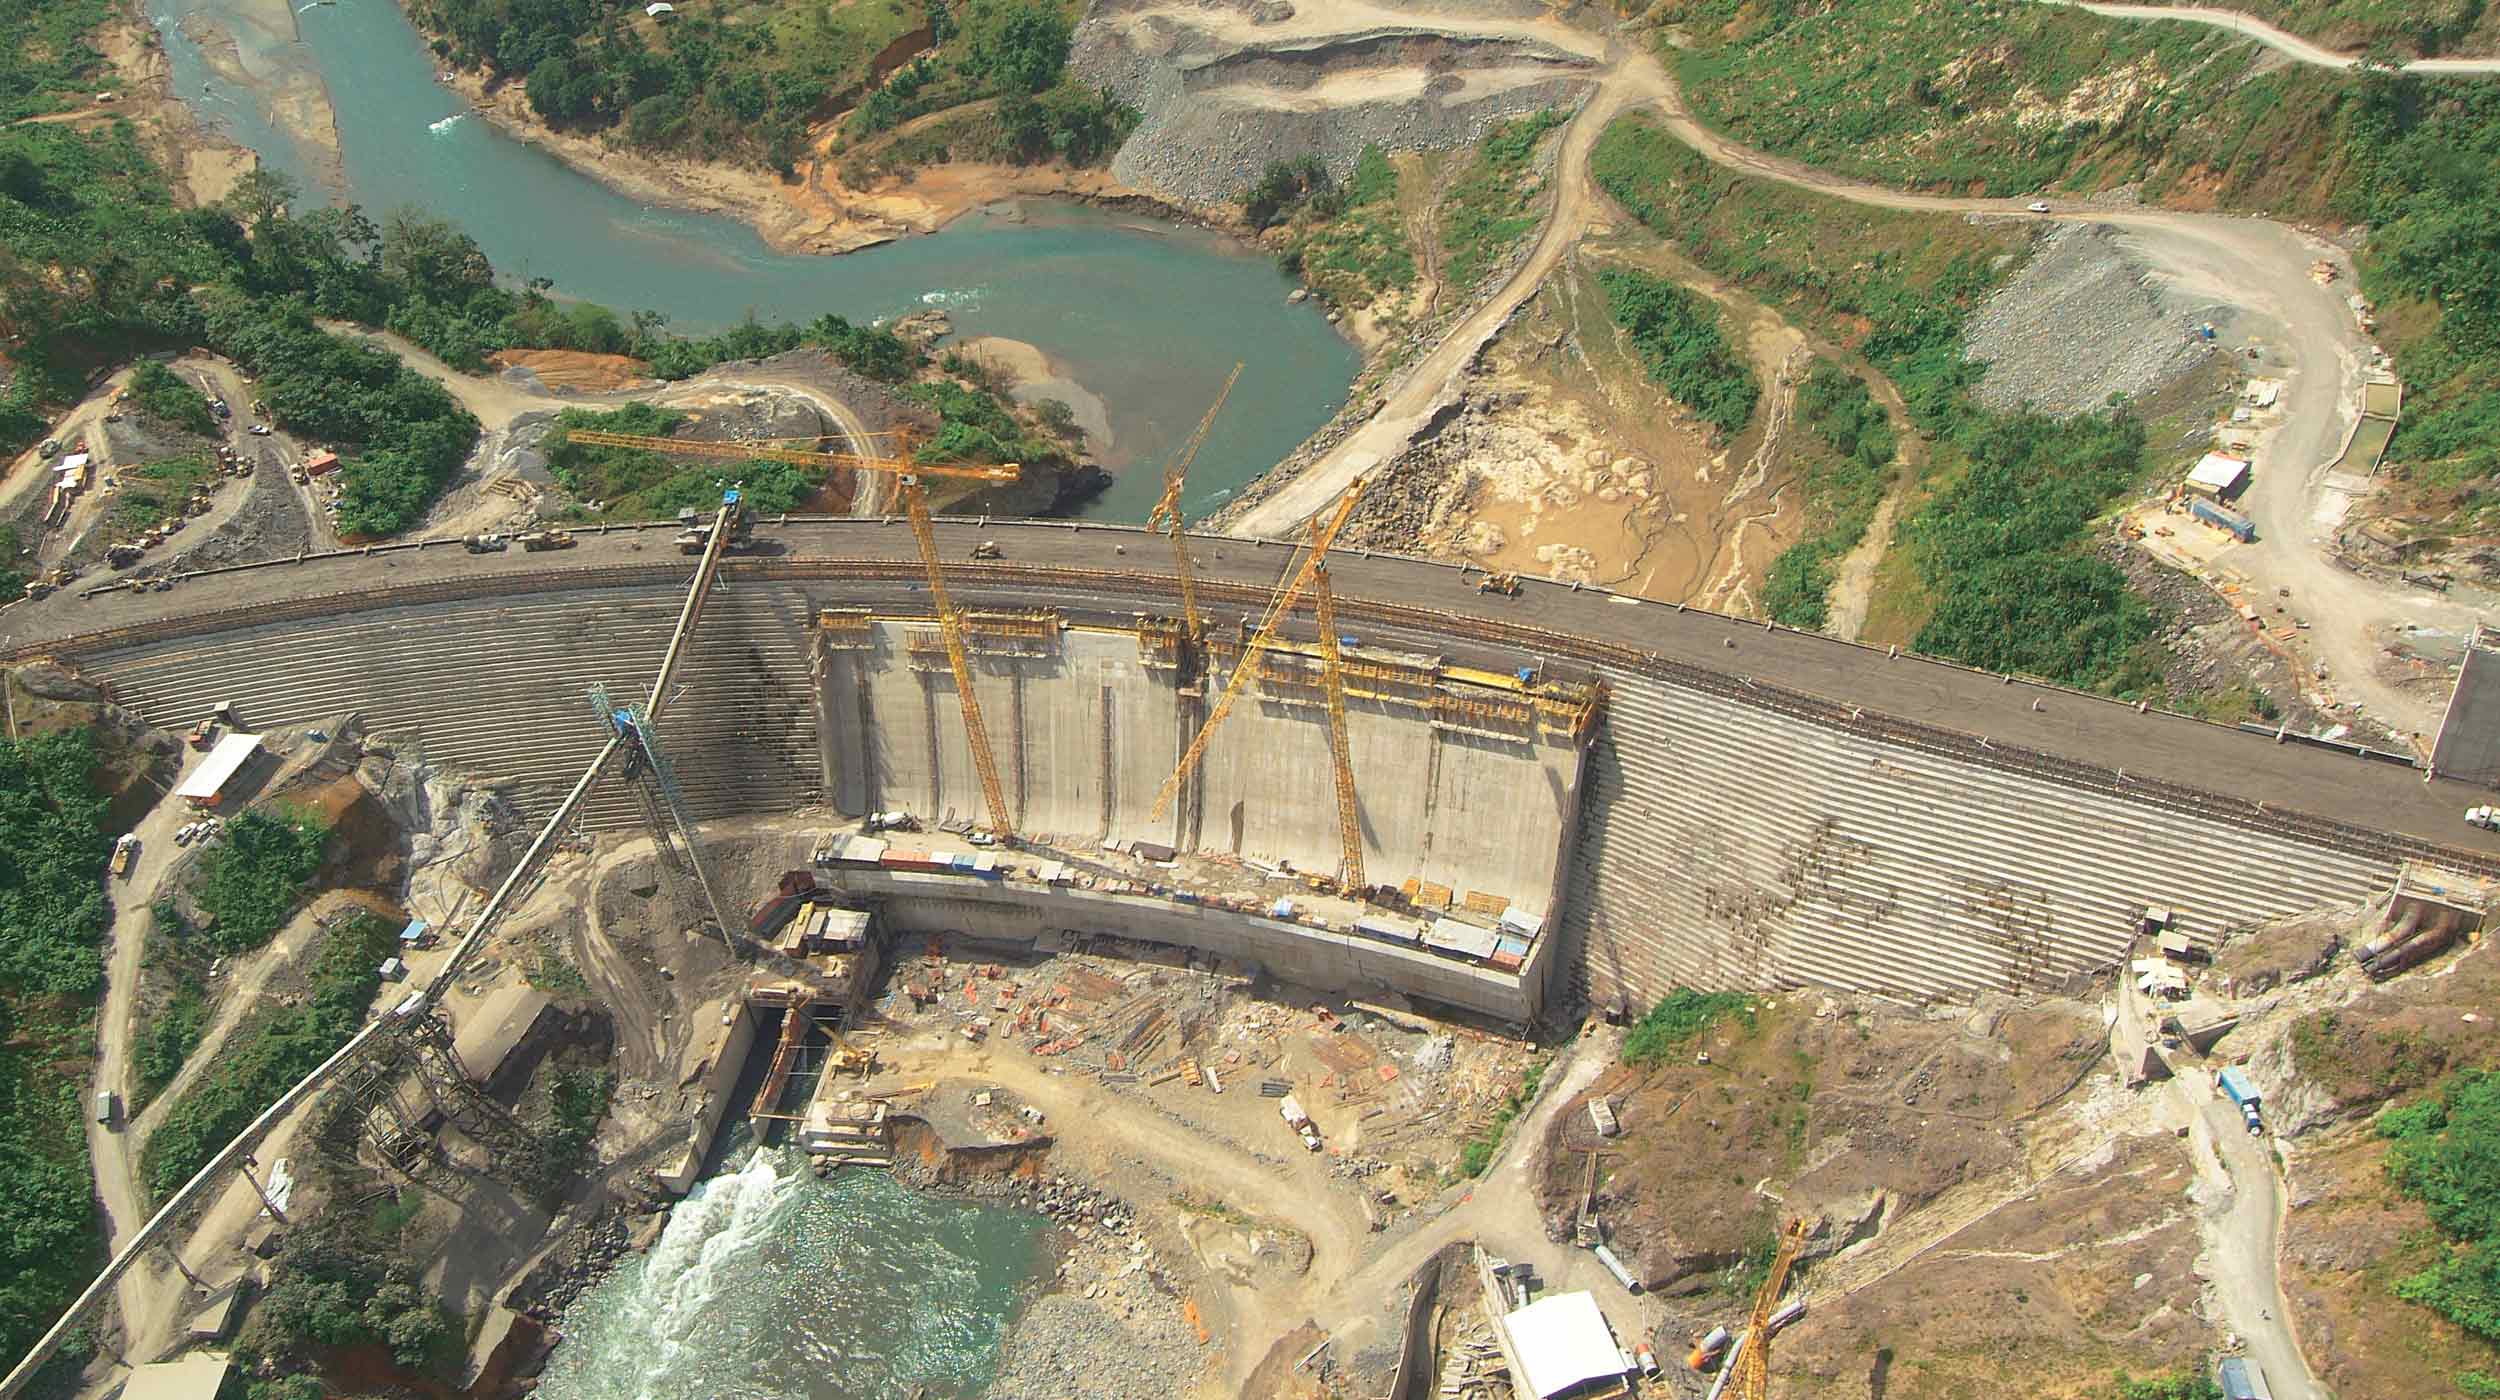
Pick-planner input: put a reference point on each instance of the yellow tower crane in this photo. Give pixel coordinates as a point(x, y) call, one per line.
point(1340, 752)
point(1752, 1366)
point(1247, 664)
point(916, 504)
point(1167, 511)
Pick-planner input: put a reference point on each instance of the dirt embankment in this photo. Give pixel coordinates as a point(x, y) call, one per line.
point(2331, 1049)
point(1979, 1163)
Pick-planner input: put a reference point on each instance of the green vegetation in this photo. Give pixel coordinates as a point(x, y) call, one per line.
point(46, 63)
point(1893, 286)
point(2198, 1384)
point(2444, 1151)
point(1680, 341)
point(1845, 482)
point(1888, 90)
point(52, 852)
point(576, 1101)
point(166, 1041)
point(1998, 549)
point(1893, 90)
point(1997, 554)
point(555, 974)
point(1350, 242)
point(1679, 1019)
point(1476, 1157)
point(52, 919)
point(332, 1293)
point(155, 494)
point(127, 271)
point(639, 485)
point(2385, 28)
point(166, 397)
point(746, 81)
point(264, 1057)
point(1491, 206)
point(981, 426)
point(251, 880)
point(1287, 186)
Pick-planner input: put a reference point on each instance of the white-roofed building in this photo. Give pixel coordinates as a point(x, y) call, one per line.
point(1563, 1347)
point(206, 787)
point(2218, 476)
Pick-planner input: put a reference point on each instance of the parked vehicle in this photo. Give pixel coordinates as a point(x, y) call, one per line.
point(2235, 1086)
point(2240, 526)
point(537, 540)
point(108, 1108)
point(258, 430)
point(125, 852)
point(486, 544)
point(2038, 206)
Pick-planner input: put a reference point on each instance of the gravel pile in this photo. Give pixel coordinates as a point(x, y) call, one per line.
point(1202, 143)
point(1069, 1348)
point(270, 525)
point(2084, 320)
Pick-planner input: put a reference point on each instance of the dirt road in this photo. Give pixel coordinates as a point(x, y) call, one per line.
point(114, 1150)
point(2291, 46)
point(2244, 1237)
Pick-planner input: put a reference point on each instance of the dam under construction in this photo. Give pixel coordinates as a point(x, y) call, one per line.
point(1642, 796)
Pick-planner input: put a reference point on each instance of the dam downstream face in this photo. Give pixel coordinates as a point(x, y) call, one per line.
point(1148, 315)
point(770, 1284)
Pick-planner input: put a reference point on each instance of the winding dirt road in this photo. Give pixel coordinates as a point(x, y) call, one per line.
point(2291, 46)
point(2256, 265)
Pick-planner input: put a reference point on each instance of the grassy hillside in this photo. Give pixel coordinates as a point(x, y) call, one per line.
point(2397, 27)
point(2010, 98)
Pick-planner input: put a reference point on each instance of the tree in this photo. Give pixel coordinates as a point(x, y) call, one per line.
point(1016, 47)
point(261, 195)
point(431, 258)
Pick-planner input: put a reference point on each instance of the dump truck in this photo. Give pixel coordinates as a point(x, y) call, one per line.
point(987, 549)
point(537, 540)
point(2235, 1086)
point(1506, 584)
point(125, 853)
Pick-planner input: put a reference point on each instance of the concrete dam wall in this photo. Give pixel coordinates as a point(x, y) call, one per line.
point(1708, 839)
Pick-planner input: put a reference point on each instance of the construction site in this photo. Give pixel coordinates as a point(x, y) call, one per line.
point(1277, 896)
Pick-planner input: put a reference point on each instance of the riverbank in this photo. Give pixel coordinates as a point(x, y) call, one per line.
point(203, 165)
point(814, 212)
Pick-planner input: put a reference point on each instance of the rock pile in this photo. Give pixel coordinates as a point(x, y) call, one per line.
point(2083, 320)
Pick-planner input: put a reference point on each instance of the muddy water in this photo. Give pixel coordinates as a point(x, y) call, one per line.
point(1149, 316)
point(770, 1284)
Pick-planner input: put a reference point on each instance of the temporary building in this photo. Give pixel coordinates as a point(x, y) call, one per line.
point(1461, 938)
point(1562, 1343)
point(2217, 475)
point(194, 1377)
point(206, 786)
point(321, 464)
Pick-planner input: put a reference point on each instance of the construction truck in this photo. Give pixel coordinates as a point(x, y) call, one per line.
point(122, 556)
point(125, 851)
point(987, 549)
point(697, 532)
point(537, 540)
point(485, 544)
point(2236, 1086)
point(204, 733)
point(1506, 584)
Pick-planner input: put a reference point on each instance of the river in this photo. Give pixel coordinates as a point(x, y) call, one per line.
point(770, 1284)
point(1148, 315)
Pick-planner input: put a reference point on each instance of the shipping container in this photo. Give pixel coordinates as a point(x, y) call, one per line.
point(2224, 519)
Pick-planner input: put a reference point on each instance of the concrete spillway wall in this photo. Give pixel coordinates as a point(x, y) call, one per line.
point(1085, 733)
point(1718, 841)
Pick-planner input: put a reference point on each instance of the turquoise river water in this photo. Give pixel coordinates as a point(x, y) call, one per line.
point(1148, 315)
point(770, 1284)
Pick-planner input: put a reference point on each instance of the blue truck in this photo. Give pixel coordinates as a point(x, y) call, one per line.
point(2223, 518)
point(2235, 1086)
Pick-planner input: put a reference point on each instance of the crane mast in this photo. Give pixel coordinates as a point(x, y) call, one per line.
point(1247, 664)
point(1340, 752)
point(1167, 511)
point(1752, 1367)
point(916, 506)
